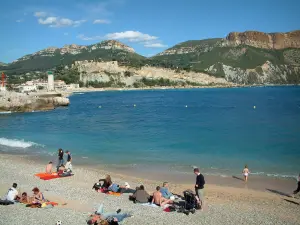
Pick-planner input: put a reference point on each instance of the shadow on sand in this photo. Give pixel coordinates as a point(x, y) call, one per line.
point(238, 178)
point(278, 192)
point(290, 201)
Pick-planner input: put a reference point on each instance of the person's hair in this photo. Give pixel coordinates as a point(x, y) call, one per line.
point(165, 183)
point(142, 187)
point(108, 179)
point(60, 149)
point(62, 165)
point(24, 193)
point(68, 151)
point(246, 166)
point(15, 185)
point(50, 162)
point(104, 222)
point(36, 189)
point(196, 170)
point(158, 188)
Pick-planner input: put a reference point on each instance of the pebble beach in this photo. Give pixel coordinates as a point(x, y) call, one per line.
point(225, 205)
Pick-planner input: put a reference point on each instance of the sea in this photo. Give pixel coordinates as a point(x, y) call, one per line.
point(219, 130)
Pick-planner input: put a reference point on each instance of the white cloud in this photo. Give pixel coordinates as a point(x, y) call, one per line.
point(131, 36)
point(155, 45)
point(20, 21)
point(40, 14)
point(101, 21)
point(66, 34)
point(60, 22)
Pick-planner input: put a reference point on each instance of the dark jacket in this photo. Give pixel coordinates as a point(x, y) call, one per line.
point(141, 196)
point(200, 181)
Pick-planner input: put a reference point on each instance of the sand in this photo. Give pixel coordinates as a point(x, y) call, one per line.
point(225, 205)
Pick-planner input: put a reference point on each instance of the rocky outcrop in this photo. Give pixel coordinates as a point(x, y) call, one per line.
point(111, 71)
point(18, 102)
point(265, 40)
point(267, 73)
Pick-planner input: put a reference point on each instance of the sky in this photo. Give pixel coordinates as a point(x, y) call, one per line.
point(149, 27)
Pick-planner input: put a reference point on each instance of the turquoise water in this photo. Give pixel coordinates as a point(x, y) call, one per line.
point(218, 130)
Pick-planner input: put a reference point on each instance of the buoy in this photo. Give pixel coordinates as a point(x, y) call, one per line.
point(186, 106)
point(254, 107)
point(134, 105)
point(99, 106)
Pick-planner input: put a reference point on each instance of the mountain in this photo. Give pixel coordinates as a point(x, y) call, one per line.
point(250, 57)
point(51, 57)
point(3, 64)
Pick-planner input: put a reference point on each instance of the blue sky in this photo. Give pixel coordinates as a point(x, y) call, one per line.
point(148, 26)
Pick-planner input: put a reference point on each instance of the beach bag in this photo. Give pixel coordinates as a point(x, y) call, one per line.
point(97, 186)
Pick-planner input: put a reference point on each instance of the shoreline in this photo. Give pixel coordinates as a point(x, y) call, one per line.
point(253, 207)
point(86, 90)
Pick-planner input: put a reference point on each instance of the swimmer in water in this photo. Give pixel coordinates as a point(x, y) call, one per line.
point(246, 173)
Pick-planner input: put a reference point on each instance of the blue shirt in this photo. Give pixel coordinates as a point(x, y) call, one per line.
point(165, 192)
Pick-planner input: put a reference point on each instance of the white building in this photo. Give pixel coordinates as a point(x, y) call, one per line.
point(27, 88)
point(50, 82)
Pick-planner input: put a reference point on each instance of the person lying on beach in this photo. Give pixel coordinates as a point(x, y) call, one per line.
point(158, 199)
point(120, 189)
point(140, 195)
point(106, 182)
point(165, 191)
point(49, 168)
point(112, 218)
point(38, 196)
point(246, 173)
point(12, 193)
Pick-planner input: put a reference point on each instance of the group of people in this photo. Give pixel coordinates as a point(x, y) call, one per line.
point(62, 169)
point(161, 197)
point(13, 196)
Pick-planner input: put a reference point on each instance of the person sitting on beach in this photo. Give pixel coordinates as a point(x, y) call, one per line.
point(106, 182)
point(49, 168)
point(140, 195)
point(38, 196)
point(24, 198)
point(165, 191)
point(298, 187)
point(69, 160)
point(63, 172)
point(12, 193)
point(246, 173)
point(158, 199)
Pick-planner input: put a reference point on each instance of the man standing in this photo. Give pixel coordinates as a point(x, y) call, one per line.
point(69, 160)
point(199, 187)
point(60, 158)
point(12, 193)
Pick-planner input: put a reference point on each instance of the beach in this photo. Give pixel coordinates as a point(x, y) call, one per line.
point(225, 205)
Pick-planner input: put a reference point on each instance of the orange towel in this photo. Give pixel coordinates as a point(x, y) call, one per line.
point(113, 193)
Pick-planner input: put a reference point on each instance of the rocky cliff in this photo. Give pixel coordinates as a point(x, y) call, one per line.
point(112, 72)
point(265, 40)
point(19, 102)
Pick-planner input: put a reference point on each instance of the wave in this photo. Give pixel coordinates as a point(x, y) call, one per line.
point(6, 112)
point(78, 93)
point(17, 143)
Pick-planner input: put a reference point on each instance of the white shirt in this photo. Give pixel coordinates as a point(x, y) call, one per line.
point(11, 194)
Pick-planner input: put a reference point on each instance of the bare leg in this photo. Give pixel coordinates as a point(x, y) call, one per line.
point(166, 201)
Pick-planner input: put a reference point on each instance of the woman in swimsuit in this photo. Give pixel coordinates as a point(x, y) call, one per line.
point(38, 196)
point(246, 173)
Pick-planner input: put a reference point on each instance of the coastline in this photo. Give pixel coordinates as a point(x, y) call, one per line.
point(76, 192)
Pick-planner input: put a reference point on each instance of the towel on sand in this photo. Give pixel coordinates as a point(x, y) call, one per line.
point(47, 176)
point(113, 193)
